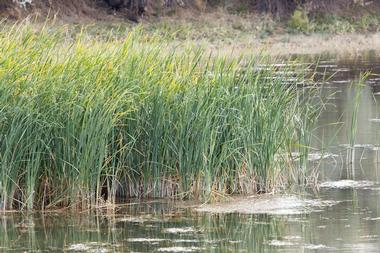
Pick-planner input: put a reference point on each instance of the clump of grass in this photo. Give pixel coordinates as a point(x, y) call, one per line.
point(86, 121)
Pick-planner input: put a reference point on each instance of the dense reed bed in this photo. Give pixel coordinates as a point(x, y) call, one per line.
point(85, 121)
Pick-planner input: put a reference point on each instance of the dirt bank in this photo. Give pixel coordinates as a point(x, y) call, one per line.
point(222, 32)
point(344, 44)
point(216, 26)
point(268, 204)
point(317, 44)
point(77, 10)
point(66, 10)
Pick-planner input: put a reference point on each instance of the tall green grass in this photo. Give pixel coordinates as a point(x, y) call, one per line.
point(83, 121)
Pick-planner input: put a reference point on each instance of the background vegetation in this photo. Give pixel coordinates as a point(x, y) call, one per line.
point(294, 15)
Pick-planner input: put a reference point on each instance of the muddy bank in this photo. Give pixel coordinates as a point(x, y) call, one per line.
point(345, 44)
point(215, 26)
point(268, 204)
point(318, 43)
point(285, 204)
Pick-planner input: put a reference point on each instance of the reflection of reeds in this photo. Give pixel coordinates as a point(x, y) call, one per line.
point(357, 89)
point(86, 120)
point(252, 233)
point(213, 233)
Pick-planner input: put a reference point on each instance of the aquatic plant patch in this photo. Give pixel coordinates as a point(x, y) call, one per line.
point(84, 122)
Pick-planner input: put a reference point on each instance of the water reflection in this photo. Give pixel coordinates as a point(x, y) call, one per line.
point(138, 230)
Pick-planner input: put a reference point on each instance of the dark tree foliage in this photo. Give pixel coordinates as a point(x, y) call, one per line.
point(136, 6)
point(277, 7)
point(133, 5)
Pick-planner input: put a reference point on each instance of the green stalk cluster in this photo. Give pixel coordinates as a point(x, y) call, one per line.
point(84, 121)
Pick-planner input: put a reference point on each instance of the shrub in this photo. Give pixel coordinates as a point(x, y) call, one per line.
point(299, 21)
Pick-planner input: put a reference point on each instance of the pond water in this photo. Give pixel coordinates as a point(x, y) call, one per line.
point(343, 216)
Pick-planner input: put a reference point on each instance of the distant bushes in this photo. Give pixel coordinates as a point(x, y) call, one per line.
point(302, 21)
point(299, 21)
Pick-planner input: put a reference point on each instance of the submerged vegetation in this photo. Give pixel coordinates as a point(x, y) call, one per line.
point(84, 122)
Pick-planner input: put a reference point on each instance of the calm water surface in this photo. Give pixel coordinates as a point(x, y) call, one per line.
point(350, 223)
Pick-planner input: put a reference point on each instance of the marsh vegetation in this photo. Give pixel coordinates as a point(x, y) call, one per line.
point(106, 127)
point(342, 215)
point(87, 121)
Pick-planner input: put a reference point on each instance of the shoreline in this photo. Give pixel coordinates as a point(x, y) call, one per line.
point(224, 34)
point(299, 44)
point(319, 44)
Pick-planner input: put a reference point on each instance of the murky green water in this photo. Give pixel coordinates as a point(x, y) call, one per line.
point(344, 216)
